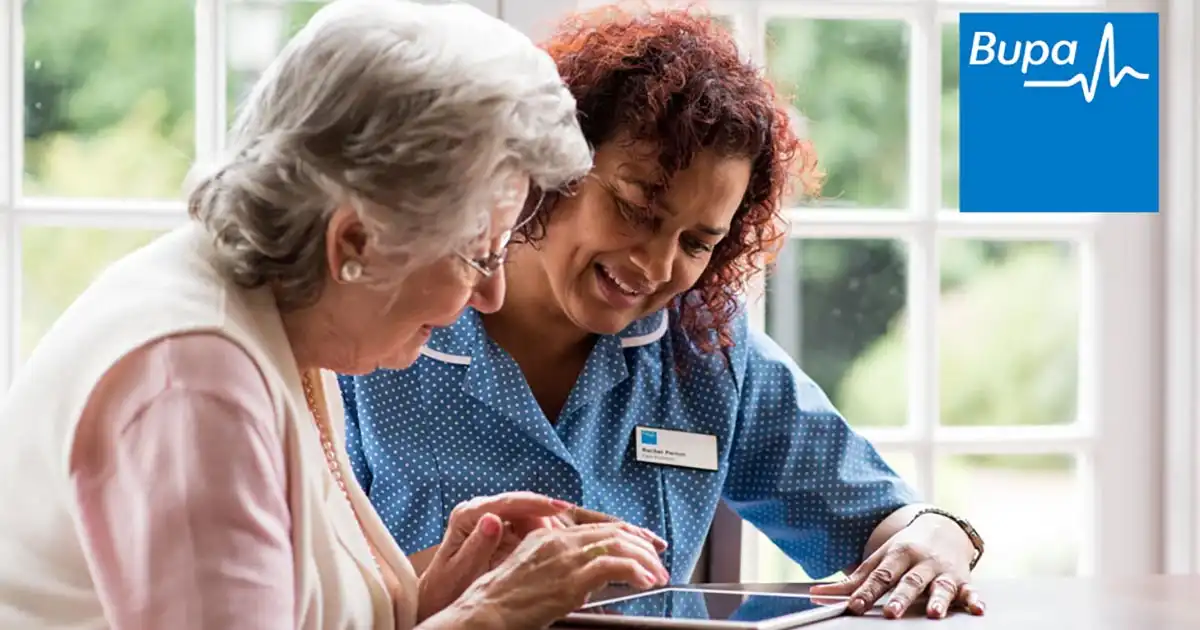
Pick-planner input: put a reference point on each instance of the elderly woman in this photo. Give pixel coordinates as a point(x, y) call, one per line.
point(621, 372)
point(172, 454)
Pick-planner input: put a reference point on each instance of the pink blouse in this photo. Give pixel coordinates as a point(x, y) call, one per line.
point(179, 478)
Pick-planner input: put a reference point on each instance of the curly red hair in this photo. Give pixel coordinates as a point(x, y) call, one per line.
point(674, 78)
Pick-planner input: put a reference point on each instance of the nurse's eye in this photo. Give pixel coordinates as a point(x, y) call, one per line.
point(695, 247)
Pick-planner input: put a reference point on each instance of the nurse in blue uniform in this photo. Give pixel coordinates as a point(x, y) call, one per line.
point(621, 373)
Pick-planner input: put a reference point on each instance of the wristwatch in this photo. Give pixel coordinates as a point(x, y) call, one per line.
point(968, 529)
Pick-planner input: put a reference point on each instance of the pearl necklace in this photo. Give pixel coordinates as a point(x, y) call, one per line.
point(331, 458)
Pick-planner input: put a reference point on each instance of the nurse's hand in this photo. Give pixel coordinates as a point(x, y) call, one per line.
point(552, 573)
point(475, 537)
point(932, 556)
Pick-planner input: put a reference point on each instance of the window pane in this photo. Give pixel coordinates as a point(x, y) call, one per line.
point(769, 564)
point(849, 79)
point(1009, 328)
point(1029, 509)
point(836, 306)
point(255, 34)
point(109, 97)
point(950, 116)
point(58, 263)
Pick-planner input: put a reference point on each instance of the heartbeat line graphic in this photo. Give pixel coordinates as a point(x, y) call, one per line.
point(1108, 44)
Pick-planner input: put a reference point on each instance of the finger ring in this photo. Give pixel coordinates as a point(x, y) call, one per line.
point(595, 550)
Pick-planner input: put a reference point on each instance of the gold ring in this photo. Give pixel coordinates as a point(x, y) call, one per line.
point(595, 550)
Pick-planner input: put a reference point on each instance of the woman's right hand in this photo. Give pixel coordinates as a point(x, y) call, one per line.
point(554, 571)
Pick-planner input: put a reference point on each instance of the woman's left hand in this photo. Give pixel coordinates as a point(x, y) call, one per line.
point(517, 529)
point(475, 536)
point(932, 556)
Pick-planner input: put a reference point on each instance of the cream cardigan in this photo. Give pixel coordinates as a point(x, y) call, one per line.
point(167, 288)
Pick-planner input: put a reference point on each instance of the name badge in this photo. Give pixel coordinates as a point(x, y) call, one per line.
point(675, 448)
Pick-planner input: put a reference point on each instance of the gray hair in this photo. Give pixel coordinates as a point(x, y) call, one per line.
point(415, 115)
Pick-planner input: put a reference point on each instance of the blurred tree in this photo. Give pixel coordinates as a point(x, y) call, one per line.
point(133, 158)
point(89, 68)
point(1008, 346)
point(87, 63)
point(849, 291)
point(849, 78)
point(109, 96)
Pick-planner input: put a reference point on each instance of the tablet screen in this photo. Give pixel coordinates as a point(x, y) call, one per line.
point(710, 605)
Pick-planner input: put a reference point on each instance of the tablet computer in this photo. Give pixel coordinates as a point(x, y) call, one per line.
point(703, 609)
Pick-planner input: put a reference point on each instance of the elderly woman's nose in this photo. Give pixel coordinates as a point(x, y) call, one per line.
point(489, 295)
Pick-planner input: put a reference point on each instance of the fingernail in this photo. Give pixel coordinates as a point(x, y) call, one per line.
point(977, 609)
point(560, 504)
point(894, 609)
point(857, 605)
point(648, 579)
point(490, 525)
point(937, 611)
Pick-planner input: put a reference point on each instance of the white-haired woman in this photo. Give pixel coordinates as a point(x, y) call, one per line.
point(171, 452)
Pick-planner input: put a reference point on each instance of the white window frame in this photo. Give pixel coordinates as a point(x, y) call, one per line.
point(1181, 233)
point(1145, 512)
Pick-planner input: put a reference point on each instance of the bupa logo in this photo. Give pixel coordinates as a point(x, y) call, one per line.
point(649, 438)
point(1058, 112)
point(985, 50)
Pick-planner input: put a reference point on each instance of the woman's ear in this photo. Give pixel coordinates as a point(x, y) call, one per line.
point(346, 245)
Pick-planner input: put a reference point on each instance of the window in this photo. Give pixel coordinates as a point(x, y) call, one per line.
point(1010, 366)
point(997, 362)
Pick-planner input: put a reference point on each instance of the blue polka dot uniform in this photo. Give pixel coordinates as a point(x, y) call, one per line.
point(462, 422)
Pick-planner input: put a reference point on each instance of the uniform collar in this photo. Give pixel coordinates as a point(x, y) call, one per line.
point(494, 379)
point(465, 339)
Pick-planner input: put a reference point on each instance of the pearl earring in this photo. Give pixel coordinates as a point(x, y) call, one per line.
point(351, 271)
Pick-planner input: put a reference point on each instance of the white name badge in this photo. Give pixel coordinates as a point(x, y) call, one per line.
point(675, 448)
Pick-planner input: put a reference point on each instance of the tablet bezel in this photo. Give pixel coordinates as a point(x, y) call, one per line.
point(784, 622)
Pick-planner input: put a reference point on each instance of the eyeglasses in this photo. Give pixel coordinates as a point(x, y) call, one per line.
point(491, 263)
point(512, 195)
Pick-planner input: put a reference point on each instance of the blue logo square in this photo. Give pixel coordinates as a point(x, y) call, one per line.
point(1058, 112)
point(649, 438)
